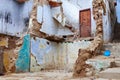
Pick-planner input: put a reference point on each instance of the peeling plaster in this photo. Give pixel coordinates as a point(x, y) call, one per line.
point(23, 61)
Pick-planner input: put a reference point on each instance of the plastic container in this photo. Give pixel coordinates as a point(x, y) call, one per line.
point(107, 53)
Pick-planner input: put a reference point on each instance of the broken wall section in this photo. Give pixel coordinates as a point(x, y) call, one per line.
point(64, 23)
point(99, 9)
point(15, 54)
point(108, 19)
point(9, 55)
point(47, 55)
point(13, 24)
point(52, 26)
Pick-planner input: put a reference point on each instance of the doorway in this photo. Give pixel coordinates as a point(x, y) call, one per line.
point(85, 23)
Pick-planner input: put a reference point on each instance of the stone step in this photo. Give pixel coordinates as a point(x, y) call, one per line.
point(117, 62)
point(106, 79)
point(101, 63)
point(110, 73)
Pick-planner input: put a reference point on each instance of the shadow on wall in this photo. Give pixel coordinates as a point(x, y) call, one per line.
point(21, 1)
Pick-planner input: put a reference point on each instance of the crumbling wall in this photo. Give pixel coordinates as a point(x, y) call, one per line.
point(9, 55)
point(18, 51)
point(51, 55)
point(14, 20)
point(109, 18)
point(16, 55)
point(99, 9)
point(53, 23)
point(35, 26)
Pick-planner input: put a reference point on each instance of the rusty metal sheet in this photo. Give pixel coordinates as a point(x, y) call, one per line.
point(1, 61)
point(23, 60)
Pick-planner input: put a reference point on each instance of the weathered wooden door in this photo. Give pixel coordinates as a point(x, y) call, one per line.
point(85, 23)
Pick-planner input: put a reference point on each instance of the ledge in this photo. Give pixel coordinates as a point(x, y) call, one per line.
point(54, 3)
point(21, 1)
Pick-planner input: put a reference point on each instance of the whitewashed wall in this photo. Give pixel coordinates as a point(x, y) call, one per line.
point(51, 55)
point(107, 28)
point(14, 17)
point(71, 10)
point(82, 5)
point(118, 10)
point(50, 25)
point(85, 4)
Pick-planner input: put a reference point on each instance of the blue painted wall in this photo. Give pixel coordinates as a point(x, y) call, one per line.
point(23, 60)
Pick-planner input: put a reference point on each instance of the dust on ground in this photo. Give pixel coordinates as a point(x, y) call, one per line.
point(43, 75)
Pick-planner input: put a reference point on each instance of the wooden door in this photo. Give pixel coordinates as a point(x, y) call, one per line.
point(85, 23)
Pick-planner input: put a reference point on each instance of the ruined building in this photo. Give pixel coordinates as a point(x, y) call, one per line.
point(50, 34)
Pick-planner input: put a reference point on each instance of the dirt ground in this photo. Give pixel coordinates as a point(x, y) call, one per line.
point(44, 75)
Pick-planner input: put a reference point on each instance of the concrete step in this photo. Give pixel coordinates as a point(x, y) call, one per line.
point(101, 62)
point(117, 62)
point(110, 73)
point(106, 79)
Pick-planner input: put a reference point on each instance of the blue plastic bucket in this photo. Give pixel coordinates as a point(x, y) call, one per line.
point(107, 53)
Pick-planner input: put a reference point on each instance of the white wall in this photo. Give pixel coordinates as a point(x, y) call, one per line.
point(71, 13)
point(51, 26)
point(20, 15)
point(118, 11)
point(71, 10)
point(12, 16)
point(107, 28)
point(85, 4)
point(54, 55)
point(48, 26)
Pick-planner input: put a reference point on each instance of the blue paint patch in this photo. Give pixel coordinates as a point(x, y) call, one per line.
point(23, 61)
point(40, 47)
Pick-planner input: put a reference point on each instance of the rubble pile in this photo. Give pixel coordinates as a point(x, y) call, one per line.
point(99, 9)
